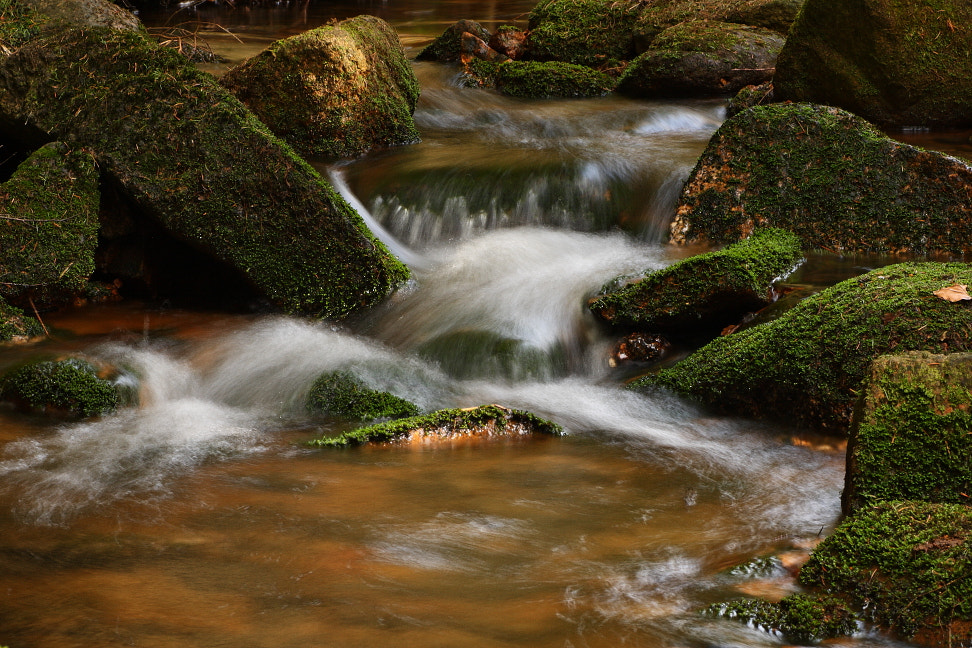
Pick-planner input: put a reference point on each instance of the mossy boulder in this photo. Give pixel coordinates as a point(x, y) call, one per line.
point(447, 48)
point(484, 422)
point(809, 364)
point(658, 15)
point(701, 57)
point(596, 33)
point(830, 177)
point(87, 13)
point(912, 432)
point(805, 619)
point(541, 80)
point(15, 326)
point(894, 63)
point(906, 565)
point(49, 226)
point(340, 393)
point(337, 91)
point(750, 97)
point(71, 386)
point(191, 158)
point(705, 292)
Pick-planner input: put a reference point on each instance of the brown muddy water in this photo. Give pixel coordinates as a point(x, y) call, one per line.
point(199, 517)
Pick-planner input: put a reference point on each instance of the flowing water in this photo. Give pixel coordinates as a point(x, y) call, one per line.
point(199, 517)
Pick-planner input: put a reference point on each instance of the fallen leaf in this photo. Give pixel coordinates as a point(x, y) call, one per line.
point(958, 292)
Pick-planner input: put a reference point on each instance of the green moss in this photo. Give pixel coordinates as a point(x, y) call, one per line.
point(707, 291)
point(912, 435)
point(809, 364)
point(49, 226)
point(18, 24)
point(831, 178)
point(190, 155)
point(800, 618)
point(14, 324)
point(339, 393)
point(547, 80)
point(71, 386)
point(487, 420)
point(584, 32)
point(907, 564)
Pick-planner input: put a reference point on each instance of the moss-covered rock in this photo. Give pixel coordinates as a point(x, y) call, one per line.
point(750, 97)
point(705, 292)
point(87, 13)
point(658, 15)
point(486, 421)
point(893, 62)
point(596, 33)
point(831, 178)
point(49, 226)
point(339, 393)
point(337, 91)
point(912, 432)
point(14, 325)
point(70, 386)
point(447, 48)
point(907, 565)
point(702, 57)
point(541, 80)
point(19, 24)
point(800, 618)
point(809, 364)
point(192, 158)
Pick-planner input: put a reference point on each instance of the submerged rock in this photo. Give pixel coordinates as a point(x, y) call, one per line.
point(596, 33)
point(49, 226)
point(809, 364)
point(894, 63)
point(541, 80)
point(804, 619)
point(706, 292)
point(912, 432)
point(447, 48)
point(197, 166)
point(70, 386)
point(831, 178)
point(906, 565)
point(444, 426)
point(702, 57)
point(339, 393)
point(336, 91)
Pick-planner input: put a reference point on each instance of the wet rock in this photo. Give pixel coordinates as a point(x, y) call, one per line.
point(67, 387)
point(750, 96)
point(803, 619)
point(912, 432)
point(906, 564)
point(893, 63)
point(15, 326)
point(474, 47)
point(340, 393)
point(596, 33)
point(510, 41)
point(639, 347)
point(808, 365)
point(540, 80)
point(336, 92)
point(702, 57)
point(704, 293)
point(447, 48)
point(196, 165)
point(446, 426)
point(831, 178)
point(49, 227)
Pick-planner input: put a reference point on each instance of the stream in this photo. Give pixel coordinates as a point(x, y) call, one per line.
point(200, 518)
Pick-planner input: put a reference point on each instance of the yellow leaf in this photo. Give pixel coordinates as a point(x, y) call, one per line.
point(958, 292)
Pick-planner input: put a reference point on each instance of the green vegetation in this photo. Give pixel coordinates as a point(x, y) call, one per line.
point(541, 80)
point(912, 434)
point(831, 178)
point(484, 421)
point(50, 226)
point(18, 24)
point(809, 364)
point(907, 564)
point(706, 291)
point(69, 386)
point(14, 324)
point(596, 33)
point(339, 393)
point(801, 618)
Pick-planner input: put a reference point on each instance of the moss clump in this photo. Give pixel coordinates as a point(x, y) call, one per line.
point(190, 156)
point(18, 24)
point(336, 92)
point(809, 364)
point(541, 80)
point(912, 433)
point(70, 386)
point(801, 618)
point(585, 32)
point(483, 421)
point(749, 97)
point(49, 226)
point(447, 48)
point(831, 178)
point(907, 564)
point(339, 393)
point(893, 62)
point(707, 291)
point(14, 324)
